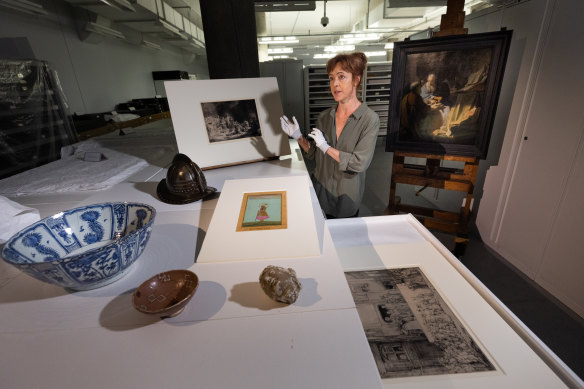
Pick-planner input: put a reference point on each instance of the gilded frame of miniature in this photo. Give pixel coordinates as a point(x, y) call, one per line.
point(249, 206)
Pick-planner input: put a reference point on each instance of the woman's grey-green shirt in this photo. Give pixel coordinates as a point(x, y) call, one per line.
point(340, 185)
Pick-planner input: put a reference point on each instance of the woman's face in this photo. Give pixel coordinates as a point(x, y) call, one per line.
point(343, 85)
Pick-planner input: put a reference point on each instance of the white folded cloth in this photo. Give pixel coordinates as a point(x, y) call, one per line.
point(14, 217)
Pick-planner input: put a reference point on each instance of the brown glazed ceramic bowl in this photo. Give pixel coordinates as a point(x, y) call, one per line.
point(166, 294)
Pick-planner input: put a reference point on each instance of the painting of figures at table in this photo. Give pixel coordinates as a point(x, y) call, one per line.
point(444, 95)
point(263, 211)
point(231, 120)
point(410, 328)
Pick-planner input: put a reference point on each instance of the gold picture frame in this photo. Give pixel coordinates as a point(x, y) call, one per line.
point(263, 211)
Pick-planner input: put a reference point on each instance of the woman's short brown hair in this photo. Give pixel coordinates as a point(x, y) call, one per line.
point(353, 63)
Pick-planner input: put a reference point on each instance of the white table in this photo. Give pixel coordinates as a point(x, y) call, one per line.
point(231, 335)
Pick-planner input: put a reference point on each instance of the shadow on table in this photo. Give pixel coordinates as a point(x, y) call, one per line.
point(120, 314)
point(171, 246)
point(251, 295)
point(147, 187)
point(206, 303)
point(26, 288)
point(309, 293)
point(150, 188)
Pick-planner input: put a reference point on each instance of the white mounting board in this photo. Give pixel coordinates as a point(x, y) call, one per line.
point(300, 239)
point(184, 99)
point(518, 366)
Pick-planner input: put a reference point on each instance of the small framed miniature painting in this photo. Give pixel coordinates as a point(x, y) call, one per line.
point(263, 211)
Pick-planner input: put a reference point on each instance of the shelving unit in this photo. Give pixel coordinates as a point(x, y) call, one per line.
point(375, 87)
point(377, 91)
point(33, 119)
point(317, 93)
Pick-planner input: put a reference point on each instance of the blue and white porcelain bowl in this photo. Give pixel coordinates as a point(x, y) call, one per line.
point(83, 248)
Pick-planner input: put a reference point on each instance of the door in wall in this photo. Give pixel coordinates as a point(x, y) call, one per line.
point(540, 229)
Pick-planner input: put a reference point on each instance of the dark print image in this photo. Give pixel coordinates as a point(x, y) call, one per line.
point(445, 93)
point(231, 120)
point(410, 328)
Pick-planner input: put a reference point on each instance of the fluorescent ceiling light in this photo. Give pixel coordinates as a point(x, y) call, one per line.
point(24, 6)
point(280, 50)
point(103, 30)
point(150, 45)
point(123, 5)
point(388, 46)
point(375, 53)
point(282, 6)
point(337, 48)
point(279, 56)
point(356, 38)
point(324, 55)
point(277, 40)
point(361, 36)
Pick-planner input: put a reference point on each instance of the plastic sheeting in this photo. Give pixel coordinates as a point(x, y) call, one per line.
point(150, 144)
point(34, 123)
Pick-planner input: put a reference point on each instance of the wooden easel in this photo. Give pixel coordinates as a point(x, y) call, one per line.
point(431, 174)
point(434, 176)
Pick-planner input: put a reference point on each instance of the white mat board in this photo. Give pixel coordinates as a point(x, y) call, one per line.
point(517, 365)
point(185, 98)
point(300, 239)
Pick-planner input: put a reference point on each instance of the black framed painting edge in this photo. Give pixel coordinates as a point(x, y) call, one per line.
point(445, 92)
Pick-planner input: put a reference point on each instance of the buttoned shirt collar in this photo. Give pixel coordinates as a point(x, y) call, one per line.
point(357, 114)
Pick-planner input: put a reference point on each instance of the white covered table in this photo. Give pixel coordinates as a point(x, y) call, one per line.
point(231, 335)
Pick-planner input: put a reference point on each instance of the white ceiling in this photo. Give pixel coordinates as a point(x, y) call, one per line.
point(342, 16)
point(346, 16)
point(388, 19)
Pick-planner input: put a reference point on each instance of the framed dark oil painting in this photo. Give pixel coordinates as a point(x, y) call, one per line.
point(445, 92)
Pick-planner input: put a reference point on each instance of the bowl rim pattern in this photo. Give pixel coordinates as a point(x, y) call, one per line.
point(75, 257)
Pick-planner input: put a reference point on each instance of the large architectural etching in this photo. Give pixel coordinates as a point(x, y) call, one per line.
point(410, 328)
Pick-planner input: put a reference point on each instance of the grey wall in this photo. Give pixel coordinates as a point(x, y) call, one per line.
point(94, 77)
point(531, 211)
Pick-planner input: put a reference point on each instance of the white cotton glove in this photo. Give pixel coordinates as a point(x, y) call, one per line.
point(319, 140)
point(291, 129)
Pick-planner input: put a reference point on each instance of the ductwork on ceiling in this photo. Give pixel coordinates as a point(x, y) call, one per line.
point(150, 23)
point(94, 28)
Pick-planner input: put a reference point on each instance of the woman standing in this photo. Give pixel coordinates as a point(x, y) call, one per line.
point(345, 136)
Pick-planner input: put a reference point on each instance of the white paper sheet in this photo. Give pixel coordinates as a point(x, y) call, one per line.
point(185, 98)
point(14, 217)
point(125, 155)
point(299, 240)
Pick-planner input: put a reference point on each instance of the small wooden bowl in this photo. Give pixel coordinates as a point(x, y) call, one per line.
point(166, 294)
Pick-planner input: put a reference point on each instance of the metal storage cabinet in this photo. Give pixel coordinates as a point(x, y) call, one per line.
point(377, 91)
point(318, 94)
point(375, 87)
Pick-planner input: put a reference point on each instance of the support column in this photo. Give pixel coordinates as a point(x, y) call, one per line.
point(230, 38)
